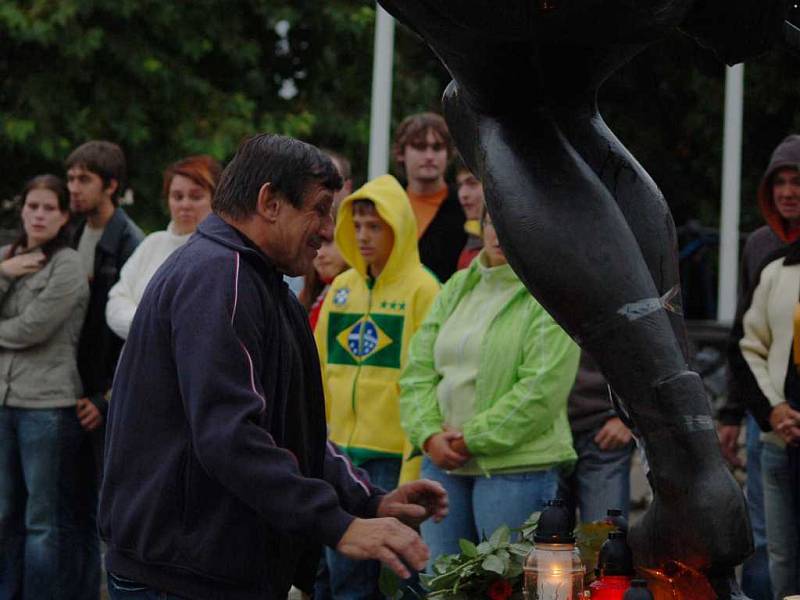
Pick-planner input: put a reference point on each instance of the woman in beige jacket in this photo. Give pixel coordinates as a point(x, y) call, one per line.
point(43, 298)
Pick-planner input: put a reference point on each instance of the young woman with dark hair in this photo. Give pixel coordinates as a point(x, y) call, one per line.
point(43, 299)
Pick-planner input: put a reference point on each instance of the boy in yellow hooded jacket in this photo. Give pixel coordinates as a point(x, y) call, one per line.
point(366, 323)
point(368, 319)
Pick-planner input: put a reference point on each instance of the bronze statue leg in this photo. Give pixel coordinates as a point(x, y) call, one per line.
point(567, 238)
point(637, 196)
point(589, 234)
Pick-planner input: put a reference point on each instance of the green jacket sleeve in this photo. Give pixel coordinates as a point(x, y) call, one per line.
point(544, 379)
point(419, 406)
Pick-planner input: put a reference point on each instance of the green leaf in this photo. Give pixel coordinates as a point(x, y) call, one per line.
point(514, 569)
point(468, 548)
point(501, 536)
point(485, 548)
point(520, 548)
point(494, 564)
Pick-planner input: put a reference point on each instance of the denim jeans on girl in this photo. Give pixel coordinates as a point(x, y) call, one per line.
point(481, 504)
point(38, 480)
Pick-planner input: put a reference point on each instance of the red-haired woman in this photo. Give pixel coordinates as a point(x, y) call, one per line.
point(189, 186)
point(43, 299)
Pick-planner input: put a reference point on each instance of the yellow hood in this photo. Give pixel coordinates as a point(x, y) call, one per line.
point(393, 207)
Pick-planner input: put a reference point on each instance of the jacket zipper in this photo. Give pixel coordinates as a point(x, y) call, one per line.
point(358, 369)
point(481, 466)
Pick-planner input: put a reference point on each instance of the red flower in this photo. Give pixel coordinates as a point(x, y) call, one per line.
point(500, 590)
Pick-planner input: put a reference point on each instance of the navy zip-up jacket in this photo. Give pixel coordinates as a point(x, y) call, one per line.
point(219, 481)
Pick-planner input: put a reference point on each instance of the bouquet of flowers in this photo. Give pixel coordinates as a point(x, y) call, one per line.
point(492, 569)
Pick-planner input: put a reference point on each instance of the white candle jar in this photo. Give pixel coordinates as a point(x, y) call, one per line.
point(554, 572)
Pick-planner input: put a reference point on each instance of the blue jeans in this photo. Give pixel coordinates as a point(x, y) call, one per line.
point(120, 588)
point(782, 538)
point(600, 480)
point(358, 579)
point(481, 504)
point(38, 487)
point(755, 571)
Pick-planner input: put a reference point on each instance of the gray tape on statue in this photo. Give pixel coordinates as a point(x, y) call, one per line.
point(687, 424)
point(632, 312)
point(641, 308)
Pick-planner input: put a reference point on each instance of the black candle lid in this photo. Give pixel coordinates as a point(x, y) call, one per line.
point(615, 556)
point(555, 524)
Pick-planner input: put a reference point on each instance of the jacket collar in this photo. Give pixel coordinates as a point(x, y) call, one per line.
point(113, 230)
point(217, 229)
point(792, 254)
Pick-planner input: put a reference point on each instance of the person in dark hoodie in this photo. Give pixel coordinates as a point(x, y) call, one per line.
point(604, 445)
point(219, 481)
point(762, 245)
point(766, 331)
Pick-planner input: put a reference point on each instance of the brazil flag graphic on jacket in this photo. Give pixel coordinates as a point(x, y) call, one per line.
point(365, 326)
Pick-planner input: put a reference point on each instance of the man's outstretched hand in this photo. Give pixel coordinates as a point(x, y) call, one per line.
point(387, 540)
point(414, 502)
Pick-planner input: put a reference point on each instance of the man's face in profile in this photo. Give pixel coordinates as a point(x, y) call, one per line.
point(302, 230)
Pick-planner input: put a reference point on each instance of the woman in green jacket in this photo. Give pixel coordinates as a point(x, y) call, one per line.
point(484, 396)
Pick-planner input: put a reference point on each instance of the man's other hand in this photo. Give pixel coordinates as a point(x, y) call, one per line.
point(729, 444)
point(613, 435)
point(414, 502)
point(387, 540)
point(88, 414)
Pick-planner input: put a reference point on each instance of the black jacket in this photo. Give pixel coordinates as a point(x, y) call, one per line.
point(762, 247)
point(99, 347)
point(444, 239)
point(219, 481)
point(589, 405)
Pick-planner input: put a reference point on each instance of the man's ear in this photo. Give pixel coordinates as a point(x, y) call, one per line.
point(112, 187)
point(269, 203)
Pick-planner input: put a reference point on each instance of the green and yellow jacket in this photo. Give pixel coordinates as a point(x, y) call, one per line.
point(365, 327)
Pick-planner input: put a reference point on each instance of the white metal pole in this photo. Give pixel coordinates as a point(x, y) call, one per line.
point(731, 194)
point(381, 112)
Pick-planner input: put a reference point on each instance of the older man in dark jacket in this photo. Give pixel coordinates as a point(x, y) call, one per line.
point(219, 481)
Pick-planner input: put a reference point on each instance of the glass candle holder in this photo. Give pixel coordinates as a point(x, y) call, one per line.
point(554, 572)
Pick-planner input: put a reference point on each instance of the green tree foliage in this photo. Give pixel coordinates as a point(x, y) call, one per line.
point(168, 79)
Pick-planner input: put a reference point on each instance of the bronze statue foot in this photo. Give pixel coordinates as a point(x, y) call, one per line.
point(698, 515)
